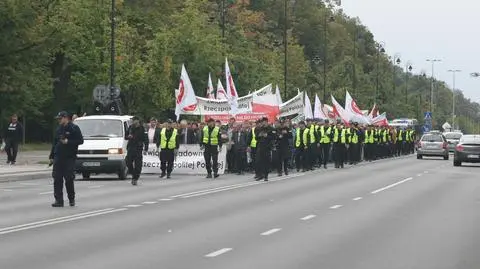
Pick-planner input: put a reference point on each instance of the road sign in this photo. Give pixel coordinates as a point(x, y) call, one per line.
point(426, 129)
point(428, 115)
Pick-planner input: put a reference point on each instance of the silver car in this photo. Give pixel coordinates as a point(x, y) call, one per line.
point(433, 144)
point(452, 139)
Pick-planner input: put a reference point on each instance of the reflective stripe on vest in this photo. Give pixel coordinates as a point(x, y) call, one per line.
point(325, 135)
point(299, 136)
point(369, 138)
point(354, 138)
point(400, 134)
point(342, 138)
point(312, 134)
point(213, 139)
point(172, 142)
point(253, 143)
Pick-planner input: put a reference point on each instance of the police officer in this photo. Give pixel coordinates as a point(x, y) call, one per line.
point(62, 156)
point(301, 146)
point(312, 145)
point(339, 142)
point(325, 135)
point(354, 149)
point(252, 146)
point(283, 148)
point(168, 144)
point(13, 137)
point(211, 143)
point(137, 140)
point(264, 148)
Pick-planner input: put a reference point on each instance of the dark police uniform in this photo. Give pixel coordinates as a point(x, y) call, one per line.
point(63, 156)
point(264, 149)
point(340, 137)
point(283, 152)
point(13, 137)
point(211, 142)
point(301, 148)
point(137, 141)
point(168, 143)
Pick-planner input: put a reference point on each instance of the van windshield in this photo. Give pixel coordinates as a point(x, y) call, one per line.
point(100, 127)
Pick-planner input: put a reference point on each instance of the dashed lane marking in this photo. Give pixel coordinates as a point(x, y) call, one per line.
point(47, 192)
point(165, 199)
point(132, 206)
point(6, 190)
point(95, 187)
point(391, 185)
point(218, 252)
point(150, 203)
point(309, 217)
point(357, 198)
point(335, 206)
point(272, 231)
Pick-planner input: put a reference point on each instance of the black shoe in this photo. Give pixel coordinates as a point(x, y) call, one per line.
point(286, 173)
point(216, 175)
point(57, 204)
point(8, 162)
point(134, 182)
point(209, 176)
point(72, 202)
point(168, 176)
point(162, 175)
point(259, 178)
point(325, 166)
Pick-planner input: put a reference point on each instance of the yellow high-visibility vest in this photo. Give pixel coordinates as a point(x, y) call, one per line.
point(303, 138)
point(325, 134)
point(171, 143)
point(369, 137)
point(354, 138)
point(253, 143)
point(213, 139)
point(312, 134)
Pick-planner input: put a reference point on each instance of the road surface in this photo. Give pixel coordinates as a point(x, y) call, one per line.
point(400, 213)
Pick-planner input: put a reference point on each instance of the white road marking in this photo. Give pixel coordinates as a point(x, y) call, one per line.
point(357, 198)
point(218, 252)
point(391, 185)
point(308, 217)
point(47, 192)
point(149, 202)
point(419, 175)
point(133, 206)
point(95, 187)
point(5, 190)
point(272, 231)
point(335, 206)
point(29, 184)
point(36, 224)
point(209, 190)
point(165, 199)
point(425, 172)
point(227, 189)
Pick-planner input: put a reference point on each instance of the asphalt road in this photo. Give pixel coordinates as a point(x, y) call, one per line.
point(401, 213)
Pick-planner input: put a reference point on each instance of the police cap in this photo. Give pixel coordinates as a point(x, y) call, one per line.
point(63, 114)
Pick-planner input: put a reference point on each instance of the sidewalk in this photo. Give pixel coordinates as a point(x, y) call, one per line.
point(27, 158)
point(23, 172)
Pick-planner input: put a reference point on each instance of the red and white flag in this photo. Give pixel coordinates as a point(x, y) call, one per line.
point(317, 110)
point(374, 112)
point(221, 93)
point(232, 94)
point(354, 111)
point(185, 99)
point(340, 112)
point(210, 90)
point(380, 120)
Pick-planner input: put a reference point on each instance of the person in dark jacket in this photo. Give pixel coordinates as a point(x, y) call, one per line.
point(283, 148)
point(239, 147)
point(211, 144)
point(63, 156)
point(13, 137)
point(137, 140)
point(264, 150)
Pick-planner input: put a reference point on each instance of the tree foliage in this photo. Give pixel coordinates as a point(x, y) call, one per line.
point(53, 53)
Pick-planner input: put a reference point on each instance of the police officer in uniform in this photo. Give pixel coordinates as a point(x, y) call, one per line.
point(62, 156)
point(252, 146)
point(354, 148)
point(301, 146)
point(339, 142)
point(168, 144)
point(283, 148)
point(212, 144)
point(325, 135)
point(137, 141)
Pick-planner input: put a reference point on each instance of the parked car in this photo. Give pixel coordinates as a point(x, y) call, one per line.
point(432, 144)
point(452, 139)
point(467, 150)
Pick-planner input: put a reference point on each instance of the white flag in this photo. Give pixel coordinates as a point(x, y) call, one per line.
point(210, 91)
point(186, 99)
point(317, 109)
point(232, 94)
point(307, 108)
point(221, 93)
point(279, 96)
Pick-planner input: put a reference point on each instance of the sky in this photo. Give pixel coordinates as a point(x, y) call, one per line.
point(424, 29)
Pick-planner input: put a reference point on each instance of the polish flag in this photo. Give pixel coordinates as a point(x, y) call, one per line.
point(340, 112)
point(221, 93)
point(232, 94)
point(380, 120)
point(185, 99)
point(210, 91)
point(374, 112)
point(354, 111)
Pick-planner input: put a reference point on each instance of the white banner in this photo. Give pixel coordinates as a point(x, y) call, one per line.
point(189, 161)
point(292, 106)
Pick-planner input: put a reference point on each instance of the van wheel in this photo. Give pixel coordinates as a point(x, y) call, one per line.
point(123, 173)
point(419, 156)
point(457, 163)
point(85, 175)
point(445, 158)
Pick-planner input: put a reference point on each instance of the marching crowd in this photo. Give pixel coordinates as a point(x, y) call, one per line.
point(261, 147)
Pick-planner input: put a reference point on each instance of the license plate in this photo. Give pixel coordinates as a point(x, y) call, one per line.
point(91, 164)
point(473, 156)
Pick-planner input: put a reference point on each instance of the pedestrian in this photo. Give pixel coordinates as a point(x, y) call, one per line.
point(137, 141)
point(239, 147)
point(13, 136)
point(339, 143)
point(211, 143)
point(264, 150)
point(283, 148)
point(252, 146)
point(301, 147)
point(63, 156)
point(168, 144)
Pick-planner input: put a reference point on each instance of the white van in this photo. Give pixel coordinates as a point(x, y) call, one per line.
point(105, 146)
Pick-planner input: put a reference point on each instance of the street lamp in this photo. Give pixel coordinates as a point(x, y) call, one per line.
point(396, 61)
point(380, 49)
point(433, 61)
point(317, 60)
point(328, 18)
point(453, 71)
point(277, 44)
point(408, 69)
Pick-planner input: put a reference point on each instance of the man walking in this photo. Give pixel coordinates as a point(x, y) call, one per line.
point(13, 137)
point(62, 156)
point(168, 145)
point(137, 141)
point(211, 144)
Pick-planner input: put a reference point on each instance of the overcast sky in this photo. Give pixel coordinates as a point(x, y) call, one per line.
point(422, 29)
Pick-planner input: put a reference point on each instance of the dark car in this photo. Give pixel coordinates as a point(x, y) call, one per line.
point(467, 150)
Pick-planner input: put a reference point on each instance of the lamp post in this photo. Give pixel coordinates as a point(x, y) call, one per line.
point(408, 69)
point(432, 61)
point(328, 18)
point(396, 61)
point(285, 48)
point(317, 60)
point(380, 49)
point(112, 48)
point(453, 71)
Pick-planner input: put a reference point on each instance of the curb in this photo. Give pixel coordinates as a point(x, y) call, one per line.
point(24, 176)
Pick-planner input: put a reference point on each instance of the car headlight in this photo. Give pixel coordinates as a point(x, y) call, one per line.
point(115, 151)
